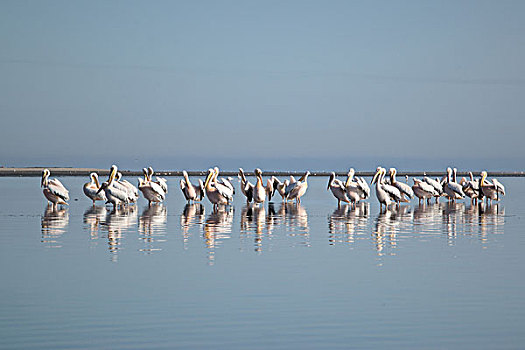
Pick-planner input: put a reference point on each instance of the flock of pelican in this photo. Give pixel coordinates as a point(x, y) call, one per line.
point(220, 191)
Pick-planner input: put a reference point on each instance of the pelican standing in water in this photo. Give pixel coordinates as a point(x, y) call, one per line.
point(382, 196)
point(471, 188)
point(116, 193)
point(452, 188)
point(392, 191)
point(356, 190)
point(438, 187)
point(246, 186)
point(423, 190)
point(259, 190)
point(280, 187)
point(224, 181)
point(338, 190)
point(152, 191)
point(297, 189)
point(91, 189)
point(191, 192)
point(133, 192)
point(491, 190)
point(217, 193)
point(162, 182)
point(53, 189)
point(401, 186)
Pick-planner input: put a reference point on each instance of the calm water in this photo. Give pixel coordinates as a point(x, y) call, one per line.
point(285, 276)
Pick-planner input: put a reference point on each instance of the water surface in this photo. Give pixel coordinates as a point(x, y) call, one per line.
point(281, 276)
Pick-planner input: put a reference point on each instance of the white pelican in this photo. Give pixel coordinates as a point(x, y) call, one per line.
point(401, 186)
point(297, 189)
point(115, 193)
point(471, 188)
point(217, 193)
point(423, 190)
point(382, 196)
point(491, 190)
point(358, 189)
point(223, 181)
point(91, 189)
point(190, 191)
point(338, 189)
point(259, 190)
point(152, 191)
point(162, 182)
point(437, 186)
point(246, 186)
point(53, 189)
point(393, 192)
point(280, 187)
point(452, 188)
point(133, 192)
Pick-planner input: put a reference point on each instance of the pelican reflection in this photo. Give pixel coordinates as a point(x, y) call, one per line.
point(118, 222)
point(296, 221)
point(345, 223)
point(152, 226)
point(94, 216)
point(54, 224)
point(192, 216)
point(217, 228)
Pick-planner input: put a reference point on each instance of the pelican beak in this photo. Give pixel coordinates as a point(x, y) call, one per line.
point(374, 179)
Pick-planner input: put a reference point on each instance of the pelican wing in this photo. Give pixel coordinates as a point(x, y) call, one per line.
point(404, 188)
point(393, 192)
point(224, 191)
point(457, 188)
point(162, 182)
point(56, 187)
point(499, 186)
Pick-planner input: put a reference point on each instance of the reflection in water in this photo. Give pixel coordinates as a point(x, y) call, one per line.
point(296, 222)
point(54, 224)
point(218, 227)
point(152, 226)
point(94, 216)
point(116, 224)
point(192, 215)
point(345, 223)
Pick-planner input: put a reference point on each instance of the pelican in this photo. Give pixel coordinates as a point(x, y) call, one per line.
point(91, 188)
point(452, 188)
point(491, 190)
point(392, 191)
point(423, 190)
point(217, 193)
point(401, 186)
point(133, 192)
point(280, 187)
point(297, 189)
point(246, 186)
point(382, 196)
point(53, 189)
point(223, 181)
point(162, 182)
point(190, 191)
point(259, 190)
point(358, 189)
point(438, 187)
point(338, 189)
point(115, 193)
point(471, 188)
point(152, 191)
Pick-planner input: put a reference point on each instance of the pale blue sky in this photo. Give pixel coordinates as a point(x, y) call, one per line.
point(244, 78)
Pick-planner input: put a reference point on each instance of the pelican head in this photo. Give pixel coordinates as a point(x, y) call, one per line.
point(150, 172)
point(305, 176)
point(104, 185)
point(377, 174)
point(119, 176)
point(211, 173)
point(45, 175)
point(257, 172)
point(112, 173)
point(145, 172)
point(332, 178)
point(483, 176)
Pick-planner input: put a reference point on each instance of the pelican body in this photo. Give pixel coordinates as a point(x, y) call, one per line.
point(246, 186)
point(298, 188)
point(382, 195)
point(452, 188)
point(116, 193)
point(404, 188)
point(423, 190)
point(91, 189)
point(338, 190)
point(492, 191)
point(152, 191)
point(217, 193)
point(53, 189)
point(190, 191)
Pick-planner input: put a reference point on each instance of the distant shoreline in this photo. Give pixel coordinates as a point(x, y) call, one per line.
point(61, 171)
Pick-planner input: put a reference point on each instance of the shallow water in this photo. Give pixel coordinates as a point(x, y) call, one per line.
point(280, 276)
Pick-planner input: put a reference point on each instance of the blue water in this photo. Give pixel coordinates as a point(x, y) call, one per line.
point(312, 276)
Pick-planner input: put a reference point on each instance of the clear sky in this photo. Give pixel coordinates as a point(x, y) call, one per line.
point(262, 78)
